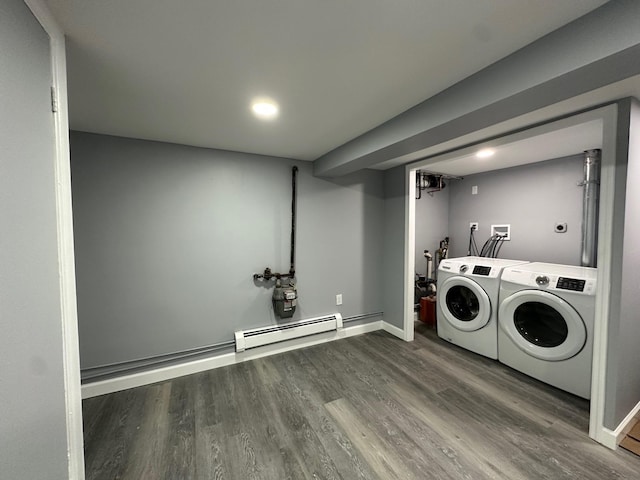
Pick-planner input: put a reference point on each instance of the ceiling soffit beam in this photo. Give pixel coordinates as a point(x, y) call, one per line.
point(604, 72)
point(596, 50)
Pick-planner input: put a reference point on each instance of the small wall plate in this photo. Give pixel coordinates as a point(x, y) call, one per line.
point(502, 230)
point(560, 228)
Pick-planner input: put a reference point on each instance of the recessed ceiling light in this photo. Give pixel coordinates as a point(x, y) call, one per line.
point(265, 109)
point(485, 153)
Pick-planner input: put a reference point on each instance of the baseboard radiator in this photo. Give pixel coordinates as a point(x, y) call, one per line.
point(257, 337)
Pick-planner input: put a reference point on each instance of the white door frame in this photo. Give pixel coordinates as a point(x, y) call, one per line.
point(608, 116)
point(66, 259)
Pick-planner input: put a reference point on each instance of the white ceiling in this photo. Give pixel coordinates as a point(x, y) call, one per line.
point(185, 71)
point(558, 143)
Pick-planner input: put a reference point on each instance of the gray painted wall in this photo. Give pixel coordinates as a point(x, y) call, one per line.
point(168, 238)
point(32, 424)
point(623, 355)
point(598, 49)
point(531, 198)
point(432, 224)
point(394, 246)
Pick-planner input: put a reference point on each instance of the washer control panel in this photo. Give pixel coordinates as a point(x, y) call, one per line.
point(481, 270)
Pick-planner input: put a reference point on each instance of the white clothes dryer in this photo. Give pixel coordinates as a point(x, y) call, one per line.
point(467, 302)
point(546, 320)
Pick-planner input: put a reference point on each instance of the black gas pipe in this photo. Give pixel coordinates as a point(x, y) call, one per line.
point(268, 274)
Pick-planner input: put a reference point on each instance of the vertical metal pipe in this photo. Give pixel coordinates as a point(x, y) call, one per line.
point(294, 176)
point(590, 199)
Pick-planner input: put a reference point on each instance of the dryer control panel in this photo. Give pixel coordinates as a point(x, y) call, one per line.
point(565, 283)
point(542, 280)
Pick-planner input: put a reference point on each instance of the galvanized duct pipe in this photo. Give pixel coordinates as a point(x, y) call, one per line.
point(590, 198)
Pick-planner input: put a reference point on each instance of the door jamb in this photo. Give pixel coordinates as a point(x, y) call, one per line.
point(66, 257)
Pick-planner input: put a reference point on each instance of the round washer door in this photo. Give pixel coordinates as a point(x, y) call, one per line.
point(542, 325)
point(465, 304)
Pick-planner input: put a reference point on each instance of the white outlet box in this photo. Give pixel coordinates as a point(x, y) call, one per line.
point(339, 299)
point(474, 190)
point(503, 230)
point(474, 224)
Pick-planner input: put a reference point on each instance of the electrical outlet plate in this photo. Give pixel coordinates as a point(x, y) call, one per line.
point(474, 224)
point(339, 299)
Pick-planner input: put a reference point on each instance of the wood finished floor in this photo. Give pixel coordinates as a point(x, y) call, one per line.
point(366, 407)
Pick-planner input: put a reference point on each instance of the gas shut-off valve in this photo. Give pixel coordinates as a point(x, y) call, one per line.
point(284, 299)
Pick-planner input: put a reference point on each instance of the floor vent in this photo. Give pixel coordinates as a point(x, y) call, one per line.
point(257, 337)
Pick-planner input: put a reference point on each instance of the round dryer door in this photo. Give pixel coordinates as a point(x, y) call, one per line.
point(542, 325)
point(465, 304)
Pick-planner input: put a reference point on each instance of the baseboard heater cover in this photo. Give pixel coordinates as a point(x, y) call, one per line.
point(257, 337)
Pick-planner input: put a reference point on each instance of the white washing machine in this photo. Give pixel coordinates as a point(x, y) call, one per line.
point(467, 301)
point(546, 322)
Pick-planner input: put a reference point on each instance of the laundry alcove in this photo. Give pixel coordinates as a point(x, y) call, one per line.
point(614, 130)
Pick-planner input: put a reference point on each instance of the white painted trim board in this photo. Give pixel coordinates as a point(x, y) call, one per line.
point(66, 255)
point(395, 331)
point(409, 252)
point(608, 168)
point(612, 438)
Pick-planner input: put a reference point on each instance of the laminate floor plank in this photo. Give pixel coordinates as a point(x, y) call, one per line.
point(559, 441)
point(210, 461)
point(420, 448)
point(147, 450)
point(267, 372)
point(508, 401)
point(284, 428)
point(375, 449)
point(460, 457)
point(306, 389)
point(300, 370)
point(421, 373)
point(258, 444)
point(293, 418)
point(508, 430)
point(483, 447)
point(212, 402)
point(370, 407)
point(504, 379)
point(180, 450)
point(95, 416)
point(110, 425)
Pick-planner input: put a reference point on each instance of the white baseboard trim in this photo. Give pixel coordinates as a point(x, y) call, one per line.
point(393, 330)
point(612, 438)
point(608, 438)
point(161, 374)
